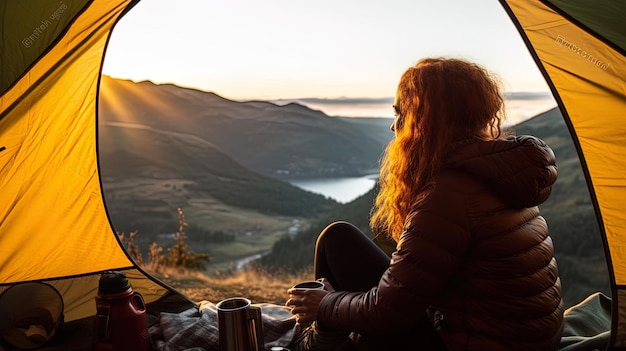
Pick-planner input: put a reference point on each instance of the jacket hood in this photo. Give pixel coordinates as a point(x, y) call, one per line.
point(519, 169)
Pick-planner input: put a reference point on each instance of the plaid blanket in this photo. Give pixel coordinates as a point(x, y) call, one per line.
point(587, 327)
point(196, 329)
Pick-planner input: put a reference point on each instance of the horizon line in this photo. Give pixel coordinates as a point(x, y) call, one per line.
point(509, 95)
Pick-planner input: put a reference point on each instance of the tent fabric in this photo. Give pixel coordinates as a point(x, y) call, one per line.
point(51, 195)
point(579, 47)
point(29, 31)
point(53, 222)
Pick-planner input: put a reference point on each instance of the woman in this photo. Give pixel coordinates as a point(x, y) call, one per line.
point(473, 267)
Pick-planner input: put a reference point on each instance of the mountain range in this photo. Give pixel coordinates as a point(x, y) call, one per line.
point(162, 147)
point(332, 146)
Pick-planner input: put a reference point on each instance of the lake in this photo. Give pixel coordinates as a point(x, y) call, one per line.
point(342, 190)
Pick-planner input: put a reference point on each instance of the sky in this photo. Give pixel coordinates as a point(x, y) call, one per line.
point(325, 49)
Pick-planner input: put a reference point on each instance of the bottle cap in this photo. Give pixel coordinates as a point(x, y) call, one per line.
point(113, 282)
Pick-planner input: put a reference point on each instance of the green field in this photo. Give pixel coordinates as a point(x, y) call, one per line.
point(254, 232)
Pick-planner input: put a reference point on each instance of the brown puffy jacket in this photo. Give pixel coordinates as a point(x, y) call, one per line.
point(475, 254)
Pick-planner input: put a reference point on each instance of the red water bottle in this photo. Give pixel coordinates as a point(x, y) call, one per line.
point(120, 323)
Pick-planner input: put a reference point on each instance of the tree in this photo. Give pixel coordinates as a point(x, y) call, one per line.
point(131, 247)
point(179, 254)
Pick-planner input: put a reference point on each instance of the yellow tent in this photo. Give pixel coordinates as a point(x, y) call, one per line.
point(53, 222)
point(580, 46)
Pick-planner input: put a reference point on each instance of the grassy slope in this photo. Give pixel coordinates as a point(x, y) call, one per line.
point(258, 286)
point(147, 174)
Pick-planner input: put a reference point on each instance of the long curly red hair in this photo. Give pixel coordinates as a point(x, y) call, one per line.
point(439, 102)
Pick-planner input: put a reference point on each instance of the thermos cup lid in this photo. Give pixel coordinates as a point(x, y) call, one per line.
point(113, 282)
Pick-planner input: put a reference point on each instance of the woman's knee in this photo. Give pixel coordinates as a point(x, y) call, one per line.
point(338, 231)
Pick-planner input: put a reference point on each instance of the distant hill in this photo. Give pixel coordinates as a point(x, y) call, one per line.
point(261, 136)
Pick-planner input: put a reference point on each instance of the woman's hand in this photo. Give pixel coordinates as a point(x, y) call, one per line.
point(304, 303)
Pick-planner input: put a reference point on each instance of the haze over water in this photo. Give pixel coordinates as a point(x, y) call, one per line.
point(519, 106)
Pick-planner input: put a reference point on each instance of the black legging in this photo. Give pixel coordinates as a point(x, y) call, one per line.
point(348, 258)
point(353, 262)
